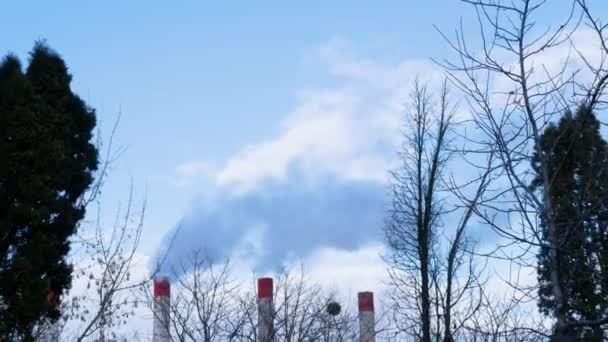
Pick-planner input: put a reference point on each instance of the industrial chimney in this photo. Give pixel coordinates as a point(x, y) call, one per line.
point(162, 302)
point(265, 310)
point(367, 321)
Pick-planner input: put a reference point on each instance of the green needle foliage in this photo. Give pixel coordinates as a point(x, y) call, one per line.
point(577, 165)
point(47, 163)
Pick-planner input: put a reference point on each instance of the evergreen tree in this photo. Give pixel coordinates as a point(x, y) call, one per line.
point(47, 165)
point(577, 160)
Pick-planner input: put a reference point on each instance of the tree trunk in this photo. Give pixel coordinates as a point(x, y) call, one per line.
point(425, 295)
point(447, 312)
point(559, 334)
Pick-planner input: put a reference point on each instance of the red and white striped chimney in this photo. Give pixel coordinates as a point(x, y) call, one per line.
point(265, 310)
point(367, 321)
point(162, 302)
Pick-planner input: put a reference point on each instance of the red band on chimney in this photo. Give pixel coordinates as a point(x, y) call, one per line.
point(264, 288)
point(366, 301)
point(162, 287)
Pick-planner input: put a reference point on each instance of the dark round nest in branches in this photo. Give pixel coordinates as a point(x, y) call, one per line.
point(333, 308)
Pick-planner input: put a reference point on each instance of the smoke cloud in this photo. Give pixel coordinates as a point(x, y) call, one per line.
point(280, 222)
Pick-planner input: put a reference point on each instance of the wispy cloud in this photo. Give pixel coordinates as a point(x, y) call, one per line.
point(193, 173)
point(349, 132)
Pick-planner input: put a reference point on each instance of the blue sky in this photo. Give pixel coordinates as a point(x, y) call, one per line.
point(219, 102)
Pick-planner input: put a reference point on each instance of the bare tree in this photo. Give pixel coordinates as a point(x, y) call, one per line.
point(301, 312)
point(208, 304)
point(504, 317)
point(522, 78)
point(109, 257)
point(434, 280)
point(412, 228)
point(205, 305)
point(104, 260)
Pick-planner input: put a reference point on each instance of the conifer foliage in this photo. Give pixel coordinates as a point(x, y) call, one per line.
point(577, 161)
point(47, 165)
